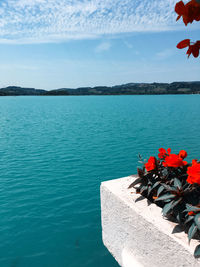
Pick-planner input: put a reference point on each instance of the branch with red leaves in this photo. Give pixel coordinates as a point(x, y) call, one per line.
point(189, 12)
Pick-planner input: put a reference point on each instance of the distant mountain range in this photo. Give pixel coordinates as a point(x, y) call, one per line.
point(124, 89)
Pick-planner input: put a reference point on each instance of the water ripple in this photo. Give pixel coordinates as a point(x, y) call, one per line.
point(54, 153)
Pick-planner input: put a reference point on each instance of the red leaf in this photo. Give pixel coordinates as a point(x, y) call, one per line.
point(183, 44)
point(180, 8)
point(198, 43)
point(195, 50)
point(189, 51)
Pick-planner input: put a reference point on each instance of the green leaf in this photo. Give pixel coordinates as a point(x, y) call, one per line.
point(167, 208)
point(191, 208)
point(177, 183)
point(157, 183)
point(192, 231)
point(137, 181)
point(169, 188)
point(140, 172)
point(197, 251)
point(185, 186)
point(197, 220)
point(160, 189)
point(190, 218)
point(143, 188)
point(178, 217)
point(176, 202)
point(164, 197)
point(177, 229)
point(149, 190)
point(170, 205)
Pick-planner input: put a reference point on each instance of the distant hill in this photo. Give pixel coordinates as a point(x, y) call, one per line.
point(124, 89)
point(15, 90)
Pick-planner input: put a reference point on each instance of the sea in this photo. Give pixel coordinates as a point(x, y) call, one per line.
point(54, 153)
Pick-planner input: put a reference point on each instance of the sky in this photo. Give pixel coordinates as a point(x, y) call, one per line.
point(51, 44)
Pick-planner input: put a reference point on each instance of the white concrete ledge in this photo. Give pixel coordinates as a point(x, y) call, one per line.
point(136, 233)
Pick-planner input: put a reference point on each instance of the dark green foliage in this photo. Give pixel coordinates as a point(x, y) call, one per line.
point(165, 197)
point(124, 89)
point(192, 208)
point(192, 231)
point(168, 188)
point(197, 251)
point(197, 220)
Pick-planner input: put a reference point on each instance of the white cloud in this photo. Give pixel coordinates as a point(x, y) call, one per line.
point(34, 21)
point(105, 46)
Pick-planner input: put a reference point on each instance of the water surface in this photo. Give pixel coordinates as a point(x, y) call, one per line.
point(54, 153)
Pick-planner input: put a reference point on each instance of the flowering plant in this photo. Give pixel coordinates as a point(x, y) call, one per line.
point(174, 185)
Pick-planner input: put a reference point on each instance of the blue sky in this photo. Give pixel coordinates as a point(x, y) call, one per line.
point(70, 43)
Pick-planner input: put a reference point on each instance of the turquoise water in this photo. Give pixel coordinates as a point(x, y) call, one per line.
point(54, 153)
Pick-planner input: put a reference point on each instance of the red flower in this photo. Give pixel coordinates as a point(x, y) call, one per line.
point(189, 12)
point(191, 213)
point(192, 48)
point(151, 164)
point(194, 173)
point(163, 152)
point(182, 154)
point(174, 160)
